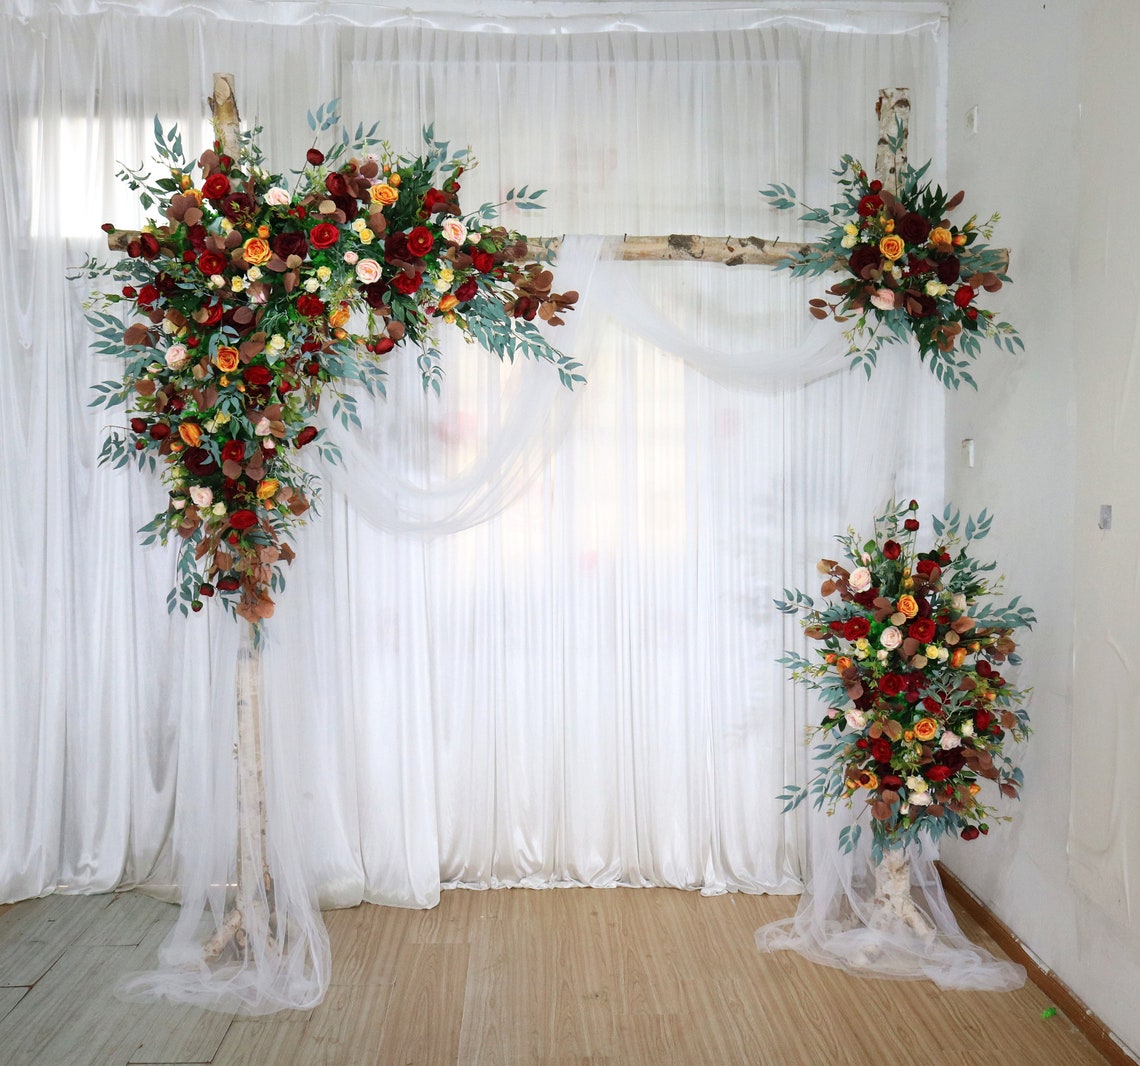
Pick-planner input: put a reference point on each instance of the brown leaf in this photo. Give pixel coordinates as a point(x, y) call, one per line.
point(892, 729)
point(231, 469)
point(144, 387)
point(875, 730)
point(816, 632)
point(854, 690)
point(889, 795)
point(880, 811)
point(137, 333)
point(827, 588)
point(962, 625)
point(1009, 790)
point(936, 810)
point(818, 312)
point(955, 200)
point(1008, 719)
point(909, 647)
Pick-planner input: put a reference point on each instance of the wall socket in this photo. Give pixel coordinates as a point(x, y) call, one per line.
point(1105, 520)
point(972, 119)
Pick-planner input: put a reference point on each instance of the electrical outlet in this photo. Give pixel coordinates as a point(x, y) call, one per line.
point(1105, 521)
point(972, 119)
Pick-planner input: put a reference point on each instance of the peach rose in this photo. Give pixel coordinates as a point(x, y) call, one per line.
point(908, 606)
point(339, 316)
point(925, 729)
point(892, 246)
point(447, 302)
point(226, 359)
point(383, 193)
point(941, 239)
point(368, 271)
point(255, 251)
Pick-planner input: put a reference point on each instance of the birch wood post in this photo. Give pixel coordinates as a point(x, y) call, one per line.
point(893, 903)
point(893, 110)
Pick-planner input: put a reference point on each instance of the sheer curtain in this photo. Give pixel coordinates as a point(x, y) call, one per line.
point(529, 641)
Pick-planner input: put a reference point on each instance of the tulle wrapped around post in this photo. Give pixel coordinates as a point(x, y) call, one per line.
point(883, 919)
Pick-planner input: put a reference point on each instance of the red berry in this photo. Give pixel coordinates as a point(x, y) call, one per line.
point(192, 342)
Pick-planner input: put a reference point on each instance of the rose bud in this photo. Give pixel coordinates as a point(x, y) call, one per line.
point(196, 606)
point(108, 227)
point(138, 425)
point(206, 590)
point(160, 431)
point(139, 445)
point(315, 157)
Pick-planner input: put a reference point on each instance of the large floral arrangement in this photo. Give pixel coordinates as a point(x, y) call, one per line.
point(912, 273)
point(910, 666)
point(249, 296)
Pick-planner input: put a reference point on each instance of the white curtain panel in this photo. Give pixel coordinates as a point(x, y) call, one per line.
point(529, 640)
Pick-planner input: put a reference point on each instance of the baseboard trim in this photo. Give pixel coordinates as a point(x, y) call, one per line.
point(1058, 992)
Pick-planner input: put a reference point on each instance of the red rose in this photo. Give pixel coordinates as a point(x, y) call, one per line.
point(484, 261)
point(892, 549)
point(856, 627)
point(206, 590)
point(138, 425)
point(890, 684)
point(147, 295)
point(160, 431)
point(434, 200)
point(307, 434)
point(468, 289)
point(982, 721)
point(213, 314)
point(309, 305)
point(315, 157)
point(836, 626)
point(407, 285)
point(928, 566)
point(211, 263)
point(233, 451)
point(939, 773)
point(910, 525)
point(420, 241)
point(215, 186)
point(963, 296)
point(130, 292)
point(257, 375)
point(243, 519)
point(869, 205)
point(324, 235)
point(971, 832)
point(881, 750)
point(383, 346)
point(891, 781)
point(228, 584)
point(923, 630)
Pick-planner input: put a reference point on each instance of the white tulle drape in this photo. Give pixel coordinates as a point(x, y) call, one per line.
point(529, 640)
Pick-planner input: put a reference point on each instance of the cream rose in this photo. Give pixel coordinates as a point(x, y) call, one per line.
point(201, 495)
point(277, 197)
point(454, 230)
point(177, 356)
point(890, 638)
point(860, 579)
point(368, 271)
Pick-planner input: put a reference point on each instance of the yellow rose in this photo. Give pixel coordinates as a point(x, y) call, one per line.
point(908, 605)
point(892, 246)
point(267, 488)
point(448, 302)
point(226, 359)
point(255, 251)
point(383, 193)
point(191, 433)
point(941, 238)
point(926, 729)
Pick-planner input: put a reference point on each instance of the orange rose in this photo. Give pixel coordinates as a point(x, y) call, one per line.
point(843, 664)
point(908, 605)
point(267, 488)
point(339, 316)
point(255, 251)
point(926, 729)
point(941, 238)
point(383, 193)
point(957, 657)
point(448, 302)
point(226, 359)
point(191, 433)
point(892, 246)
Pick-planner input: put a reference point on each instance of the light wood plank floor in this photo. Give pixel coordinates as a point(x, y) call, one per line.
point(621, 977)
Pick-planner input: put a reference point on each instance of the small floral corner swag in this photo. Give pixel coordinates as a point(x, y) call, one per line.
point(912, 272)
point(910, 667)
point(254, 295)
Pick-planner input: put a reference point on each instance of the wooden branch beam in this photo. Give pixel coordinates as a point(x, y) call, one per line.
point(892, 108)
point(227, 121)
point(730, 251)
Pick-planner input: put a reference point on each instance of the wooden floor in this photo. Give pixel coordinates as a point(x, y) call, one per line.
point(566, 976)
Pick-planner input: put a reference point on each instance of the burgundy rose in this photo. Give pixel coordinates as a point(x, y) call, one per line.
point(917, 265)
point(468, 289)
point(211, 263)
point(525, 307)
point(324, 235)
point(396, 248)
point(865, 258)
point(165, 283)
point(910, 525)
point(206, 590)
point(196, 235)
point(228, 584)
point(287, 244)
point(939, 773)
point(213, 314)
point(890, 684)
point(919, 305)
point(309, 305)
point(420, 241)
point(336, 184)
point(238, 207)
point(871, 204)
point(892, 549)
point(963, 296)
point(375, 294)
point(923, 630)
point(307, 434)
point(891, 781)
point(407, 285)
point(856, 627)
point(233, 451)
point(913, 228)
point(881, 750)
point(949, 270)
point(971, 832)
point(348, 205)
point(199, 462)
point(315, 157)
point(257, 375)
point(215, 186)
point(138, 425)
point(160, 431)
point(953, 759)
point(145, 246)
point(484, 261)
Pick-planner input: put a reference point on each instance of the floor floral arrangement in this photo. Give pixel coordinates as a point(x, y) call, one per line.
point(910, 666)
point(249, 296)
point(911, 273)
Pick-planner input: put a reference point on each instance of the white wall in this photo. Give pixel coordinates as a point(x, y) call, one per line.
point(1056, 432)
